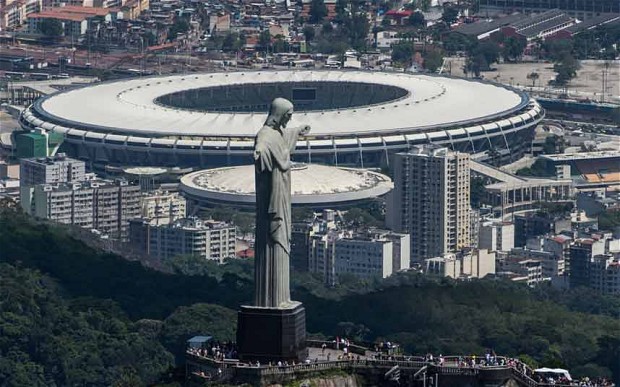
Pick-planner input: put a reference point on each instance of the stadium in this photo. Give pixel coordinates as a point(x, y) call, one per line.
point(312, 185)
point(358, 118)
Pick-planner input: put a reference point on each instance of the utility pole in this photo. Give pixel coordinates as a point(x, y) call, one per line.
point(88, 44)
point(605, 79)
point(141, 55)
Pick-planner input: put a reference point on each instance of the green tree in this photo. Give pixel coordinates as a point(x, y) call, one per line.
point(609, 354)
point(358, 217)
point(477, 192)
point(450, 15)
point(481, 56)
point(341, 7)
point(355, 28)
point(554, 145)
point(537, 169)
point(433, 59)
point(417, 19)
point(50, 341)
point(231, 42)
point(264, 40)
point(475, 64)
point(318, 11)
point(197, 320)
point(609, 220)
point(533, 76)
point(302, 214)
point(490, 50)
point(150, 39)
point(513, 48)
point(51, 27)
point(402, 53)
point(180, 26)
point(556, 49)
point(566, 69)
point(454, 42)
point(279, 44)
point(327, 28)
point(309, 33)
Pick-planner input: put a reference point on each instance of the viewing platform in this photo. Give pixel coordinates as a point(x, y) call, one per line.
point(378, 368)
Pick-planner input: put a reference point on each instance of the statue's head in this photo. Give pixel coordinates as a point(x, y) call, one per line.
point(280, 113)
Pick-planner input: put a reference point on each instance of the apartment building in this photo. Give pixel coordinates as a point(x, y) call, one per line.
point(163, 207)
point(475, 263)
point(496, 235)
point(103, 205)
point(376, 253)
point(430, 200)
point(51, 170)
point(187, 236)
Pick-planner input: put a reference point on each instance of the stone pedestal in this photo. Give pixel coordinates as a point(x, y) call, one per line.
point(272, 334)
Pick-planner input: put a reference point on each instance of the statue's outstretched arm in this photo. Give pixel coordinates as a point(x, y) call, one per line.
point(292, 135)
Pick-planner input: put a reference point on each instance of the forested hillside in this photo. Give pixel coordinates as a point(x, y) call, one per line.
point(69, 313)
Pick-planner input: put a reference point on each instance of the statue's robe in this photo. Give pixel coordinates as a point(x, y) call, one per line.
point(273, 148)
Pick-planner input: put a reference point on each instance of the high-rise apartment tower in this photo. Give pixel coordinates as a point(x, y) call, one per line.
point(430, 200)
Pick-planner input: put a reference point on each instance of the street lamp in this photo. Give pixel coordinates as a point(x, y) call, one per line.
point(141, 55)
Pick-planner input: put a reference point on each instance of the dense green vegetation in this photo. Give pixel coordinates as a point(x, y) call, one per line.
point(609, 220)
point(69, 313)
point(47, 340)
point(538, 169)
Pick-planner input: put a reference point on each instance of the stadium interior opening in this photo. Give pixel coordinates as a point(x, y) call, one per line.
point(306, 96)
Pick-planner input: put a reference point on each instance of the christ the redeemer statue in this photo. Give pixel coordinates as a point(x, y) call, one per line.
point(274, 328)
point(272, 161)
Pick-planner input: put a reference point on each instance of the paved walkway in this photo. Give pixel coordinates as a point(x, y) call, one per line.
point(332, 354)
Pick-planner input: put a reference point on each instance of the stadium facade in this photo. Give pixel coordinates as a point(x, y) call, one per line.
point(358, 118)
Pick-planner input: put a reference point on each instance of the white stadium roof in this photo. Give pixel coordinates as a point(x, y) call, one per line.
point(129, 107)
point(310, 184)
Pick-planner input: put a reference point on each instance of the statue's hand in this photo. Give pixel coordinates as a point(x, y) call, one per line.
point(256, 154)
point(304, 130)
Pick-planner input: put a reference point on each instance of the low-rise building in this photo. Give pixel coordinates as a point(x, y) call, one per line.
point(528, 271)
point(75, 20)
point(531, 225)
point(375, 253)
point(133, 8)
point(14, 13)
point(496, 236)
point(9, 171)
point(559, 246)
point(475, 263)
point(552, 265)
point(385, 39)
point(187, 236)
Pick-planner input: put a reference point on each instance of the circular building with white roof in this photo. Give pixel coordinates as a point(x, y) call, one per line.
point(312, 185)
point(358, 117)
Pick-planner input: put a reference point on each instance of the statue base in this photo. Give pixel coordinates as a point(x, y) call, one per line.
point(272, 334)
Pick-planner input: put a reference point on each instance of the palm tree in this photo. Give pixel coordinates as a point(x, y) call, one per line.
point(533, 76)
